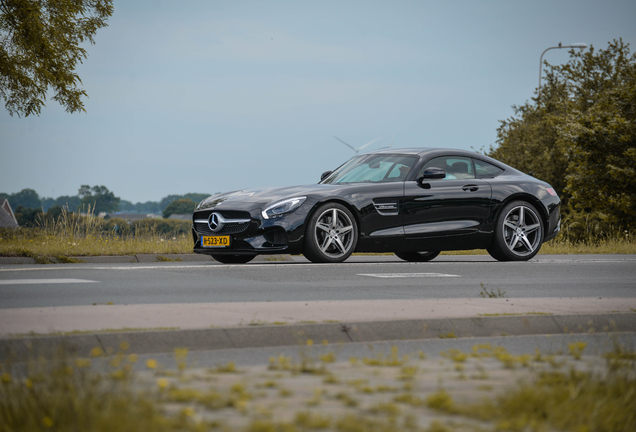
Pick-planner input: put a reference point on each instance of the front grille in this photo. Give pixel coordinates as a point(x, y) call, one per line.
point(228, 228)
point(231, 228)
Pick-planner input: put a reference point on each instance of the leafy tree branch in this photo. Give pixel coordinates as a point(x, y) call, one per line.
point(40, 47)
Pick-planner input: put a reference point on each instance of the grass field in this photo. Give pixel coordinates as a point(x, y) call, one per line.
point(42, 245)
point(74, 236)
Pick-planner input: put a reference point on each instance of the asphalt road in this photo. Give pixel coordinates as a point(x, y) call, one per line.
point(367, 277)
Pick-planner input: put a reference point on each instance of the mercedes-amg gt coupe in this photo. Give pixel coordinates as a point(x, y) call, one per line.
point(414, 202)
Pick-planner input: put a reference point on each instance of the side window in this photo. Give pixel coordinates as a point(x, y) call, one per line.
point(398, 172)
point(486, 170)
point(456, 167)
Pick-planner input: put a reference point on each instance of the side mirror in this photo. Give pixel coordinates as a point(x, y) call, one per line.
point(433, 173)
point(325, 175)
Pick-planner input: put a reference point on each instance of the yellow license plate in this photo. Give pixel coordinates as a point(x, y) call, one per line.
point(216, 241)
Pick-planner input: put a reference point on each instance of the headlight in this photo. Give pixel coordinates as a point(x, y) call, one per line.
point(282, 207)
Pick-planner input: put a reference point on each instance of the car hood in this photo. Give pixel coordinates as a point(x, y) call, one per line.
point(248, 199)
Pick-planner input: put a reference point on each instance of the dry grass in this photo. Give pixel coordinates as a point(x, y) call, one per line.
point(71, 235)
point(74, 235)
point(604, 246)
point(562, 246)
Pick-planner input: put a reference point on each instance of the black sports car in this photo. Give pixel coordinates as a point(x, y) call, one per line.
point(414, 202)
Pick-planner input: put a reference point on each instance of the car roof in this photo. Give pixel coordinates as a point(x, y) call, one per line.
point(422, 151)
point(441, 151)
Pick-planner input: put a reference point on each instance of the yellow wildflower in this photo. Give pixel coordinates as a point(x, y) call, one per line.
point(82, 362)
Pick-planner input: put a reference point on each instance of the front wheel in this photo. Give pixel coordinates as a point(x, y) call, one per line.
point(233, 259)
point(518, 233)
point(417, 256)
point(331, 234)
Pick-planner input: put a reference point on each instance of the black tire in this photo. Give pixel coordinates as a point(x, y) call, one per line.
point(518, 233)
point(417, 256)
point(331, 234)
point(233, 259)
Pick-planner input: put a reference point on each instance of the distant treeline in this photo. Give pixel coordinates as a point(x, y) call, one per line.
point(27, 204)
point(28, 198)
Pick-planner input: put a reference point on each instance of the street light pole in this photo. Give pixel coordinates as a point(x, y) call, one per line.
point(575, 45)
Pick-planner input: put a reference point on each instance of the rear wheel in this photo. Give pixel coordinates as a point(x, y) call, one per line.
point(417, 256)
point(518, 233)
point(331, 234)
point(233, 259)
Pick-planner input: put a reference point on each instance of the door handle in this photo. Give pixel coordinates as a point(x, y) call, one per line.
point(471, 188)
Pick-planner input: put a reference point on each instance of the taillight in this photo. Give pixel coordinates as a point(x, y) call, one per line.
point(551, 191)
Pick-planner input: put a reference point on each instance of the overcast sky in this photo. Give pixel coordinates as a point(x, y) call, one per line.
point(208, 96)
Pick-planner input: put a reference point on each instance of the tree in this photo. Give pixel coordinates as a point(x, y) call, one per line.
point(40, 48)
point(180, 206)
point(27, 198)
point(27, 216)
point(99, 198)
point(47, 203)
point(70, 202)
point(196, 197)
point(54, 213)
point(529, 142)
point(165, 201)
point(602, 143)
point(579, 133)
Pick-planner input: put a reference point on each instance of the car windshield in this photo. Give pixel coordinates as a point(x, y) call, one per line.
point(372, 168)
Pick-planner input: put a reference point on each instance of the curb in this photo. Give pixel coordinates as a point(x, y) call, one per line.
point(146, 342)
point(139, 258)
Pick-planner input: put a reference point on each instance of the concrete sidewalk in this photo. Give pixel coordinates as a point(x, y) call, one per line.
point(63, 319)
point(213, 326)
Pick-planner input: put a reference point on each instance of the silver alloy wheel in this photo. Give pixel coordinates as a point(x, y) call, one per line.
point(334, 233)
point(522, 230)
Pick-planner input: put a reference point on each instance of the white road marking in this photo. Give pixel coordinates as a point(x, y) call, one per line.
point(43, 281)
point(159, 267)
point(290, 264)
point(407, 275)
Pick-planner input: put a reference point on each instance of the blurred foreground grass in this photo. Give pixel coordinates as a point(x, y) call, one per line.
point(487, 389)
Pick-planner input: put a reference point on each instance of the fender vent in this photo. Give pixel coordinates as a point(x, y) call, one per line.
point(386, 208)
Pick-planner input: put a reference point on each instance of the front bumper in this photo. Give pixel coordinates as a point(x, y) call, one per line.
point(258, 236)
